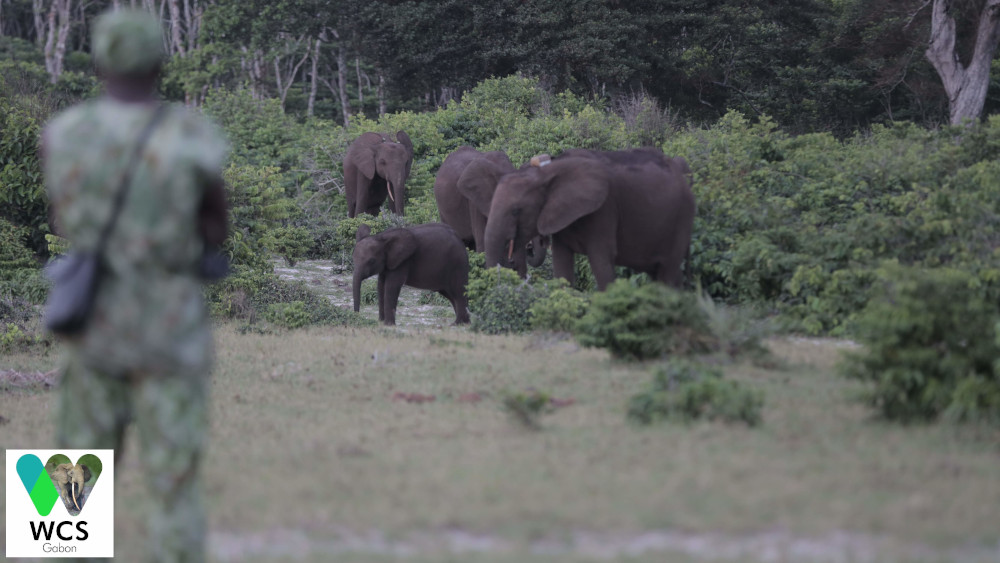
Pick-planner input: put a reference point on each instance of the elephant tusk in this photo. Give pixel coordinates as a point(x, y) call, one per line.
point(74, 497)
point(389, 186)
point(510, 250)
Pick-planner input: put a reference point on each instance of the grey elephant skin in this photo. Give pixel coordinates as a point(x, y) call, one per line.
point(464, 189)
point(70, 479)
point(428, 256)
point(376, 169)
point(619, 208)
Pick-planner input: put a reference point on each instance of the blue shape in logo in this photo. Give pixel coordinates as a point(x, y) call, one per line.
point(29, 467)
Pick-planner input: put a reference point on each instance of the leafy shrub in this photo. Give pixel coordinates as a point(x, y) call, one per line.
point(20, 327)
point(249, 294)
point(23, 201)
point(504, 307)
point(260, 132)
point(684, 392)
point(288, 315)
point(259, 209)
point(291, 243)
point(931, 344)
point(558, 311)
point(527, 407)
point(646, 322)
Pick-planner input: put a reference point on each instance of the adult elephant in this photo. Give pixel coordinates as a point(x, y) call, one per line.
point(428, 256)
point(376, 169)
point(69, 480)
point(464, 189)
point(625, 208)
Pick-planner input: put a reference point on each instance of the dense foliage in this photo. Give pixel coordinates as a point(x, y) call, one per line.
point(683, 391)
point(931, 346)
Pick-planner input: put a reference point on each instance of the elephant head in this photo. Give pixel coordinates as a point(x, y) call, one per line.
point(69, 479)
point(542, 200)
point(478, 183)
point(380, 164)
point(374, 254)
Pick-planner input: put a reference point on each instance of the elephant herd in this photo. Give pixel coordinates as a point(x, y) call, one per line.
point(631, 208)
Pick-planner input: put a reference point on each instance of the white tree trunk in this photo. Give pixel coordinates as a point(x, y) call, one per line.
point(310, 108)
point(381, 93)
point(65, 7)
point(965, 86)
point(38, 11)
point(176, 44)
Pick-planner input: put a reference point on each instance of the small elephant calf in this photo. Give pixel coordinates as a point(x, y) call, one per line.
point(429, 256)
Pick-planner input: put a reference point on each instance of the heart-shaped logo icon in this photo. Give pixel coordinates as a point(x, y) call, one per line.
point(59, 478)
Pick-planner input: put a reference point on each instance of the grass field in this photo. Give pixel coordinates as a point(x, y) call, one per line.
point(321, 449)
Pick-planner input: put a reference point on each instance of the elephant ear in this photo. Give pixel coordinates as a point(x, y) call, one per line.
point(479, 181)
point(576, 187)
point(363, 231)
point(86, 473)
point(404, 139)
point(362, 153)
point(399, 246)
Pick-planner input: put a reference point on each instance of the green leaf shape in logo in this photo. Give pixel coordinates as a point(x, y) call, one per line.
point(40, 488)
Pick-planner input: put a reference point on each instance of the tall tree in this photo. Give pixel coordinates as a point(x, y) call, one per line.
point(965, 83)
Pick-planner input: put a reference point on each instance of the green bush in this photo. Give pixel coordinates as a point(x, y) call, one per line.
point(249, 294)
point(291, 243)
point(682, 391)
point(504, 307)
point(931, 344)
point(23, 200)
point(646, 322)
point(527, 407)
point(288, 315)
point(558, 311)
point(20, 326)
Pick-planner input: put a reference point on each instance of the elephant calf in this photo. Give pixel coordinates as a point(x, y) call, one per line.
point(429, 256)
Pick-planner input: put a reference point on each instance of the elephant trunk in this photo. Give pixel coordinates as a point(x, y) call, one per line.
point(357, 290)
point(537, 256)
point(397, 190)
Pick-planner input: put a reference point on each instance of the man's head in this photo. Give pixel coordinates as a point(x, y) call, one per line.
point(128, 46)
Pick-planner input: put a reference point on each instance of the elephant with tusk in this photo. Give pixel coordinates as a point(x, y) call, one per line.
point(70, 479)
point(375, 168)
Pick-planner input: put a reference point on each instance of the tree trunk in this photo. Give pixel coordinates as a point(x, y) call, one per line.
point(345, 102)
point(176, 44)
point(310, 108)
point(65, 8)
point(361, 91)
point(381, 93)
point(966, 86)
point(37, 10)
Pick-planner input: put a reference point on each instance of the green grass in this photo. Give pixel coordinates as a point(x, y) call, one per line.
point(309, 434)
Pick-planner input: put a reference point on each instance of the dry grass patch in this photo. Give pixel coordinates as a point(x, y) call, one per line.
point(308, 433)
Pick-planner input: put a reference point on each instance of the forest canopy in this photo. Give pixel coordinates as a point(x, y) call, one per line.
point(814, 65)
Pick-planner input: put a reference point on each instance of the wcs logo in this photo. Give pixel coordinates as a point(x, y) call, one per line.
point(37, 525)
point(58, 479)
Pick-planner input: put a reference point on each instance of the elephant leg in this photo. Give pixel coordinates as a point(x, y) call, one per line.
point(393, 285)
point(361, 201)
point(603, 268)
point(562, 261)
point(381, 296)
point(670, 271)
point(461, 305)
point(478, 221)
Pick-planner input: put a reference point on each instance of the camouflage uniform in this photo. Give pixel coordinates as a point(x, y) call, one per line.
point(146, 353)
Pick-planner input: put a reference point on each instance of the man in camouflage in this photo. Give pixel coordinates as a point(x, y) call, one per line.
point(146, 352)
